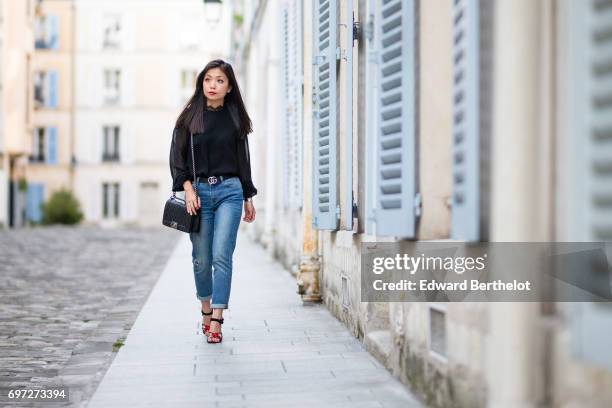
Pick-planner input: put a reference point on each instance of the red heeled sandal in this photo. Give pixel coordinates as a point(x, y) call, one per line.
point(205, 327)
point(217, 336)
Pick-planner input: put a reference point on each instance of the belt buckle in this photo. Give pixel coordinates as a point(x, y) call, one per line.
point(212, 180)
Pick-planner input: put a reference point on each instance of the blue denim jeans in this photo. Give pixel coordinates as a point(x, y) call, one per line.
point(213, 246)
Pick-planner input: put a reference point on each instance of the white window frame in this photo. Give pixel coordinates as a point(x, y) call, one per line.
point(112, 30)
point(187, 87)
point(111, 85)
point(111, 200)
point(111, 143)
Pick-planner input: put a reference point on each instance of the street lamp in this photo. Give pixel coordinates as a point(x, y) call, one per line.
point(212, 11)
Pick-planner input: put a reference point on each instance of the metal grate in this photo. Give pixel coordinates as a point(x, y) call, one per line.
point(437, 331)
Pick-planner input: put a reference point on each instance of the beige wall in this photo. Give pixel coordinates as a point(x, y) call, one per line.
point(435, 119)
point(16, 59)
point(15, 100)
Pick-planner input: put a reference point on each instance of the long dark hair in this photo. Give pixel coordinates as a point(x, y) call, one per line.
point(192, 116)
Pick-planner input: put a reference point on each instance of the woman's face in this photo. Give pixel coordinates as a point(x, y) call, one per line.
point(216, 85)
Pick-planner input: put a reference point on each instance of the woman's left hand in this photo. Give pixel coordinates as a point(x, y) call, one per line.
point(249, 211)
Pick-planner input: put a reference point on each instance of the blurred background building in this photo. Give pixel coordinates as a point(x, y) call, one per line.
point(91, 89)
point(16, 99)
point(52, 138)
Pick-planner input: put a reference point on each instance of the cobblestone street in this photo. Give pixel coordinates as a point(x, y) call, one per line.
point(67, 295)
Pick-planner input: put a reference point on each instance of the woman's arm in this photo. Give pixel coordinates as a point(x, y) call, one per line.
point(179, 165)
point(244, 159)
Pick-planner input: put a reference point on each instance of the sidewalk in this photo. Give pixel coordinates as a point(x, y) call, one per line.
point(275, 352)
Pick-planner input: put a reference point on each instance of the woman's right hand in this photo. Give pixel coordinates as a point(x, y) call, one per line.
point(192, 201)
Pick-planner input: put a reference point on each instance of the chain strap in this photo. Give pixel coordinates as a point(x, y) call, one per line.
point(195, 183)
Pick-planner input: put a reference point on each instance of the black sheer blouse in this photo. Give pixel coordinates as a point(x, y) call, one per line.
point(218, 151)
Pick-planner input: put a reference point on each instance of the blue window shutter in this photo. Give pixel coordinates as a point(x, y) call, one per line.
point(286, 125)
point(31, 203)
point(35, 196)
point(293, 75)
point(53, 31)
point(395, 212)
point(371, 101)
point(325, 200)
point(465, 217)
point(591, 328)
point(51, 145)
point(348, 153)
point(591, 213)
point(52, 87)
point(598, 118)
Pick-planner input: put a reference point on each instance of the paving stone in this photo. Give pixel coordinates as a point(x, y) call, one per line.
point(275, 353)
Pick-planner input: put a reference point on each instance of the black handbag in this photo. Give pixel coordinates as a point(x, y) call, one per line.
point(175, 211)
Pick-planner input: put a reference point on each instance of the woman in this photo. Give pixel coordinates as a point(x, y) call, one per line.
point(218, 120)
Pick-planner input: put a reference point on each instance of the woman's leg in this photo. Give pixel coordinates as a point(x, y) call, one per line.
point(202, 251)
point(227, 221)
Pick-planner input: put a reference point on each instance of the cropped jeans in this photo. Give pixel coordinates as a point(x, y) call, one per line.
point(214, 244)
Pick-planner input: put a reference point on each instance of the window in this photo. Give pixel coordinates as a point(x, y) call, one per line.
point(188, 81)
point(45, 89)
point(39, 89)
point(110, 143)
point(190, 31)
point(112, 78)
point(38, 146)
point(46, 32)
point(110, 200)
point(111, 32)
point(437, 331)
point(44, 145)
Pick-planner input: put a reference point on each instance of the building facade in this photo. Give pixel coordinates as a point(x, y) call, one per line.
point(132, 82)
point(17, 46)
point(460, 122)
point(50, 167)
